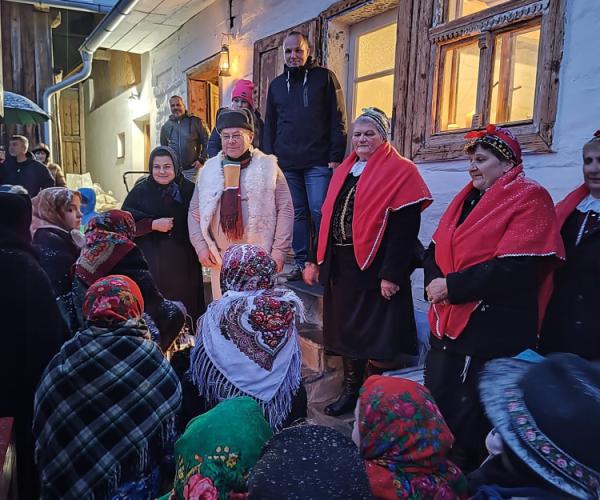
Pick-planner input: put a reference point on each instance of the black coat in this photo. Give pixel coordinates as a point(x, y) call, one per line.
point(506, 321)
point(32, 332)
point(57, 254)
point(187, 136)
point(305, 124)
point(214, 141)
point(171, 257)
point(571, 323)
point(31, 174)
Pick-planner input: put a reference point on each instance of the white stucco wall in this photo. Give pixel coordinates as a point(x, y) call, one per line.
point(104, 123)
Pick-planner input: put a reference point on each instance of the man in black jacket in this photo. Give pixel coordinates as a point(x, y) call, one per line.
point(21, 169)
point(305, 127)
point(187, 135)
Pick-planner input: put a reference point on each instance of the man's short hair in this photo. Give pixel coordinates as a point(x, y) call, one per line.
point(299, 34)
point(22, 139)
point(177, 97)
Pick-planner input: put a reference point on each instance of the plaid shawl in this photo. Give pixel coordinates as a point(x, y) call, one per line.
point(103, 398)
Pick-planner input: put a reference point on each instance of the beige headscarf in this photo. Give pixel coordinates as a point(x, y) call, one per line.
point(49, 207)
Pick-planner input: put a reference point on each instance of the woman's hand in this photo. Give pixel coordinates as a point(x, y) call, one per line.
point(388, 289)
point(163, 225)
point(278, 262)
point(437, 291)
point(310, 274)
point(207, 259)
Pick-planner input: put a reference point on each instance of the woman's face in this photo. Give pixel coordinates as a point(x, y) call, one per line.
point(73, 213)
point(365, 140)
point(591, 167)
point(239, 103)
point(41, 156)
point(485, 168)
point(163, 170)
point(2, 155)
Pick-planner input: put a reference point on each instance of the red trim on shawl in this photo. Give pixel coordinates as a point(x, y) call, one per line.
point(388, 184)
point(515, 217)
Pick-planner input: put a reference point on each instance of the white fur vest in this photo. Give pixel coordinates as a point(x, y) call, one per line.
point(258, 185)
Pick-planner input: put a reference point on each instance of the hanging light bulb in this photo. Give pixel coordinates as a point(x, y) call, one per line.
point(224, 63)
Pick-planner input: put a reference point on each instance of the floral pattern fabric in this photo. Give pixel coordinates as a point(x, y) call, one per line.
point(247, 268)
point(217, 451)
point(404, 440)
point(112, 300)
point(108, 238)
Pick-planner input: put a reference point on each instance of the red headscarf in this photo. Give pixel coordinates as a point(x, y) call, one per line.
point(404, 441)
point(108, 238)
point(113, 299)
point(515, 217)
point(388, 184)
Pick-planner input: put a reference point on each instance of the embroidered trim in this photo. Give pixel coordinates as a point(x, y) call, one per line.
point(525, 426)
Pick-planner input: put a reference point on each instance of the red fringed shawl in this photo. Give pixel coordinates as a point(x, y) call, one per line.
point(515, 217)
point(388, 183)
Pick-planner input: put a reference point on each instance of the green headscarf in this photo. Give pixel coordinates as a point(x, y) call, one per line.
point(218, 449)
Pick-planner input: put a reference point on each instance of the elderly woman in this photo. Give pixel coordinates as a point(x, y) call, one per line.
point(571, 322)
point(247, 342)
point(159, 204)
point(104, 411)
point(404, 440)
point(493, 246)
point(371, 219)
point(109, 249)
point(56, 236)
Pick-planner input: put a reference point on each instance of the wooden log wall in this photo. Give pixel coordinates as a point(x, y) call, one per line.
point(26, 58)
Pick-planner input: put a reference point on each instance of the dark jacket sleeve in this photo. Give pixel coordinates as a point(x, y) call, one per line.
point(493, 279)
point(431, 270)
point(259, 130)
point(337, 120)
point(203, 138)
point(214, 143)
point(270, 130)
point(45, 178)
point(401, 236)
point(164, 140)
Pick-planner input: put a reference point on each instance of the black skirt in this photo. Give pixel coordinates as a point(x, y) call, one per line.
point(357, 321)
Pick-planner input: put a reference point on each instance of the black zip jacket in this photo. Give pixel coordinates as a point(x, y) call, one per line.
point(188, 137)
point(305, 122)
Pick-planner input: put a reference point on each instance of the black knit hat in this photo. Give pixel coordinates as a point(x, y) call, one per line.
point(235, 118)
point(548, 414)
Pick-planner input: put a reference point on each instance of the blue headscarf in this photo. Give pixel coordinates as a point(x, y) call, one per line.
point(88, 206)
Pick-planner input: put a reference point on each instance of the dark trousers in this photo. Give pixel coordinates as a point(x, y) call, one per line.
point(308, 188)
point(454, 386)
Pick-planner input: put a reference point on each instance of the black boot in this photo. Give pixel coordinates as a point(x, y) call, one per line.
point(353, 377)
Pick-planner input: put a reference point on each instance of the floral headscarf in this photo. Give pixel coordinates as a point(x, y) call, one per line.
point(113, 299)
point(108, 238)
point(217, 451)
point(404, 441)
point(247, 341)
point(49, 206)
point(247, 268)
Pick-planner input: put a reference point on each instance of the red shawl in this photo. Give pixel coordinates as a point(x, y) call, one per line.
point(566, 207)
point(515, 217)
point(388, 183)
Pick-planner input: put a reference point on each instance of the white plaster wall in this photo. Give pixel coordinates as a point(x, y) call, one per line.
point(102, 126)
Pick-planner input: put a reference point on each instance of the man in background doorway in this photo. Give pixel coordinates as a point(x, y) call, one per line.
point(305, 127)
point(187, 135)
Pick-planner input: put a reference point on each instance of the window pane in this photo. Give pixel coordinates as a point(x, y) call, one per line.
point(376, 51)
point(461, 8)
point(514, 80)
point(458, 86)
point(377, 92)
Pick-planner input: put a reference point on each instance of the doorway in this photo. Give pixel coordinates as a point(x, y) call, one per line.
point(203, 90)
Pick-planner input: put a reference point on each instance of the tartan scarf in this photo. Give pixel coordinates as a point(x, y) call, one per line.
point(103, 399)
point(231, 199)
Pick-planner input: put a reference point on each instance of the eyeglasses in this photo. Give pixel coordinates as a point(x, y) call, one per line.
point(232, 138)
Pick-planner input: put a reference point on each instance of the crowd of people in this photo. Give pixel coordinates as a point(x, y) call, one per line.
point(108, 404)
